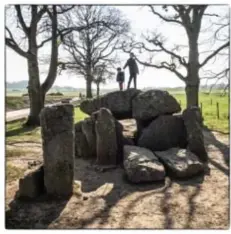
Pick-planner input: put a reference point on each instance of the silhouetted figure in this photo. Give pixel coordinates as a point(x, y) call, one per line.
point(133, 69)
point(120, 78)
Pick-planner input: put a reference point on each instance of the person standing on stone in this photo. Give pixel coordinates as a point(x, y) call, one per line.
point(133, 70)
point(120, 78)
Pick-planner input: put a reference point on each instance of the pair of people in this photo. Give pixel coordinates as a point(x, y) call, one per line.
point(133, 70)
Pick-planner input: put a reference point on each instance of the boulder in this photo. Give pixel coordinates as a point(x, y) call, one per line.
point(180, 163)
point(58, 141)
point(163, 133)
point(140, 126)
point(141, 165)
point(119, 103)
point(88, 129)
point(32, 185)
point(193, 123)
point(128, 141)
point(106, 138)
point(152, 103)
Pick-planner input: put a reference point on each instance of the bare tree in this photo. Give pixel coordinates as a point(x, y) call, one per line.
point(102, 73)
point(186, 68)
point(32, 21)
point(94, 46)
point(28, 29)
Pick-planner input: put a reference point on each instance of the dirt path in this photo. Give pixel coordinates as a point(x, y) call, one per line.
point(107, 200)
point(19, 114)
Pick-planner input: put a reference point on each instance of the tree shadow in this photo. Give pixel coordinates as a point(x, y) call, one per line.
point(122, 189)
point(223, 148)
point(36, 214)
point(18, 131)
point(92, 181)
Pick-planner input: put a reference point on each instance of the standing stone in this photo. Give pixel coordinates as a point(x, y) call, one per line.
point(141, 165)
point(193, 122)
point(57, 128)
point(106, 137)
point(81, 146)
point(88, 129)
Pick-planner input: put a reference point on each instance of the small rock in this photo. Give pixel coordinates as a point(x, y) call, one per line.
point(32, 185)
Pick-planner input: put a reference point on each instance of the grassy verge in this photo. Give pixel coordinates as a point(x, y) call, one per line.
point(209, 110)
point(15, 132)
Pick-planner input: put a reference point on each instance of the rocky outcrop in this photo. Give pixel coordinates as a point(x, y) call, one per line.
point(152, 103)
point(141, 165)
point(163, 133)
point(193, 122)
point(180, 163)
point(57, 128)
point(119, 103)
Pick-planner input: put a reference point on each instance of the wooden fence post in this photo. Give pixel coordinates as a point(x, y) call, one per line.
point(211, 101)
point(218, 114)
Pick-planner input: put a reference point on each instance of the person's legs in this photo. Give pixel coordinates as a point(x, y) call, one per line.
point(129, 82)
point(134, 78)
point(121, 86)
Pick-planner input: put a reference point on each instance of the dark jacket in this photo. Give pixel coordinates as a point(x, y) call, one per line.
point(133, 68)
point(120, 76)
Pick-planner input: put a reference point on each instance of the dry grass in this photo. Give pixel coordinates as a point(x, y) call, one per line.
point(13, 172)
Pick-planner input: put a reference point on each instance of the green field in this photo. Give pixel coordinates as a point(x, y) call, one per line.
point(209, 110)
point(15, 132)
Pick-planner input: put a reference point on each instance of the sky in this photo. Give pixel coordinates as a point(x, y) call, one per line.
point(142, 20)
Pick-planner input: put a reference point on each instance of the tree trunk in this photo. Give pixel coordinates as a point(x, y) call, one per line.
point(36, 92)
point(35, 95)
point(192, 96)
point(193, 81)
point(89, 91)
point(98, 88)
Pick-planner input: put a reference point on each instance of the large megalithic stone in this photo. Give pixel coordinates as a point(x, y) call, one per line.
point(57, 128)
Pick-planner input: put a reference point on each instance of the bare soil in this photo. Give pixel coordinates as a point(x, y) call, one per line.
point(105, 199)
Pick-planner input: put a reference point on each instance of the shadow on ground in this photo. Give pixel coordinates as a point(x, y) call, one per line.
point(18, 131)
point(211, 139)
point(108, 200)
point(33, 214)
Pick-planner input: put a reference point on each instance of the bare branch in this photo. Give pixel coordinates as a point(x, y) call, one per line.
point(159, 44)
point(164, 18)
point(21, 20)
point(214, 53)
point(13, 45)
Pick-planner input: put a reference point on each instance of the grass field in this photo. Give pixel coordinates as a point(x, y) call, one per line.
point(15, 132)
point(209, 110)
